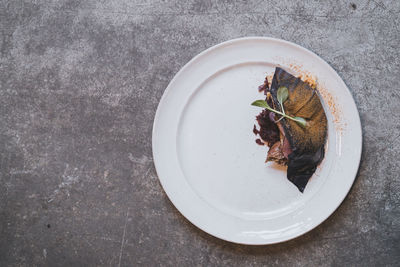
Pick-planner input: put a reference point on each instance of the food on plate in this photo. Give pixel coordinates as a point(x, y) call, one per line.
point(293, 124)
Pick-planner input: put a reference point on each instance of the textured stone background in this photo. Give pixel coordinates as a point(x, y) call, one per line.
point(80, 83)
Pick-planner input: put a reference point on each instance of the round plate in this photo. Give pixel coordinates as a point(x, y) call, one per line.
point(206, 156)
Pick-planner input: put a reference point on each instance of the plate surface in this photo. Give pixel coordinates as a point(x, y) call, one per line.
point(206, 156)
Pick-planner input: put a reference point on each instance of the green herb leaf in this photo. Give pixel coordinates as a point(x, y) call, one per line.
point(261, 103)
point(300, 121)
point(264, 104)
point(282, 94)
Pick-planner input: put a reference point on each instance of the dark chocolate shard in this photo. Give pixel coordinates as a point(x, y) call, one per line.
point(307, 143)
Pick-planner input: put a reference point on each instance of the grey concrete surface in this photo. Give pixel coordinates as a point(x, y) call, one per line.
point(80, 84)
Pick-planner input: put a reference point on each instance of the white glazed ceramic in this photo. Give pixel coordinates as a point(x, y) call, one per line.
point(207, 159)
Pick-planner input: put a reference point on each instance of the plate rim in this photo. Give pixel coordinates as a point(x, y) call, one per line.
point(256, 38)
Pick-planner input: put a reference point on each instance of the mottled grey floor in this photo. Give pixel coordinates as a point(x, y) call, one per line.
point(80, 83)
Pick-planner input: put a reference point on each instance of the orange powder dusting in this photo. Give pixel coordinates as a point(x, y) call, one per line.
point(304, 75)
point(312, 82)
point(330, 101)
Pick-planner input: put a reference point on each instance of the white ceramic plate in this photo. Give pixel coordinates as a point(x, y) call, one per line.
point(207, 159)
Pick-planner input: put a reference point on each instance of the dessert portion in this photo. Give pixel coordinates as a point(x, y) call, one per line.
point(293, 125)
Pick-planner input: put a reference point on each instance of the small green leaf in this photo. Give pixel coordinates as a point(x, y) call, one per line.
point(264, 104)
point(282, 94)
point(261, 103)
point(300, 121)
